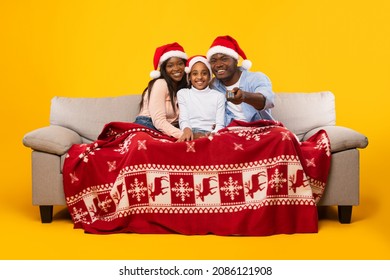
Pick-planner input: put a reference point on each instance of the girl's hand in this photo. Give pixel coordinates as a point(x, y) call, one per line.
point(186, 136)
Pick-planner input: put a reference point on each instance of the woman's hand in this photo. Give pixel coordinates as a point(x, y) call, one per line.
point(186, 136)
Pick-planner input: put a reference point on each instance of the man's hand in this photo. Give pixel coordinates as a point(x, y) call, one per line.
point(236, 96)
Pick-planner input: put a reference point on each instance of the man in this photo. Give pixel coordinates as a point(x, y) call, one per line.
point(251, 96)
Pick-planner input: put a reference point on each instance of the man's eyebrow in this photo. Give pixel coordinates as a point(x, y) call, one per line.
point(225, 55)
point(221, 55)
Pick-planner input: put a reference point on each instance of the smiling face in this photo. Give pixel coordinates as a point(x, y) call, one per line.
point(199, 76)
point(175, 68)
point(225, 68)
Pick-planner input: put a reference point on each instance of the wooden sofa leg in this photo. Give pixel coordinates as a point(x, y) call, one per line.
point(345, 214)
point(46, 213)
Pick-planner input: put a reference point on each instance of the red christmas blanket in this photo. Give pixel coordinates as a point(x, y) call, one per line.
point(251, 179)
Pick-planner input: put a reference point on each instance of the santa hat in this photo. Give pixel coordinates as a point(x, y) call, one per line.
point(164, 53)
point(194, 59)
point(229, 46)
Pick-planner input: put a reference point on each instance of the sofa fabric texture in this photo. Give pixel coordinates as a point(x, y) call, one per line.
point(87, 116)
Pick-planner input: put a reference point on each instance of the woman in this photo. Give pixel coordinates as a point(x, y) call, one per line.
point(158, 107)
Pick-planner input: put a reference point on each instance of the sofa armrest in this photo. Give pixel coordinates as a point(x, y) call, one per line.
point(51, 139)
point(341, 138)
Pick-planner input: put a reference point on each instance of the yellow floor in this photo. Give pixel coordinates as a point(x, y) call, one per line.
point(24, 237)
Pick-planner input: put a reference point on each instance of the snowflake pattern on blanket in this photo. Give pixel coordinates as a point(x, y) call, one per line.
point(251, 179)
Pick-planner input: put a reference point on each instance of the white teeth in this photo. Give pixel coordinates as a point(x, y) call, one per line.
point(220, 71)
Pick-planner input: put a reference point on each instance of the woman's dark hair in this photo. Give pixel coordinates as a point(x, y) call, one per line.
point(173, 87)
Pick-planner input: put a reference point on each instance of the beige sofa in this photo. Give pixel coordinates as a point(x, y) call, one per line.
point(80, 120)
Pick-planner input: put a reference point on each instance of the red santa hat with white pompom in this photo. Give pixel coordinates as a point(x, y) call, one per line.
point(194, 59)
point(164, 53)
point(229, 46)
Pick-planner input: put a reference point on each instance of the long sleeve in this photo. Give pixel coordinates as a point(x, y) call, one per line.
point(161, 110)
point(262, 84)
point(220, 117)
point(255, 82)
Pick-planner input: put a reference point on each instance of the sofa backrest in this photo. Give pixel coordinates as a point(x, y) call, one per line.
point(87, 116)
point(301, 112)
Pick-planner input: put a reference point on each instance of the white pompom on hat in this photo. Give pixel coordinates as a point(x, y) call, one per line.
point(194, 59)
point(164, 53)
point(229, 46)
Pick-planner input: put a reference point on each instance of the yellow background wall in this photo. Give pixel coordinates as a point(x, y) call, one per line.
point(104, 48)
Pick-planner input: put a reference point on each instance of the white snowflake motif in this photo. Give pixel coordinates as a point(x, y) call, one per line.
point(90, 150)
point(137, 189)
point(285, 135)
point(111, 165)
point(323, 143)
point(190, 147)
point(73, 177)
point(182, 189)
point(124, 147)
point(310, 162)
point(231, 188)
point(141, 145)
point(105, 204)
point(79, 215)
point(238, 147)
point(277, 180)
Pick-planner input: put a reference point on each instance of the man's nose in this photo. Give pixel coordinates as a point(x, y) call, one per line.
point(218, 63)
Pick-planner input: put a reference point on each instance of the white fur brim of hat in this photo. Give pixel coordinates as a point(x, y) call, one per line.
point(170, 54)
point(156, 73)
point(195, 60)
point(246, 64)
point(221, 49)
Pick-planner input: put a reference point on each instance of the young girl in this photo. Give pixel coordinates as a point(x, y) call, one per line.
point(158, 107)
point(202, 110)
